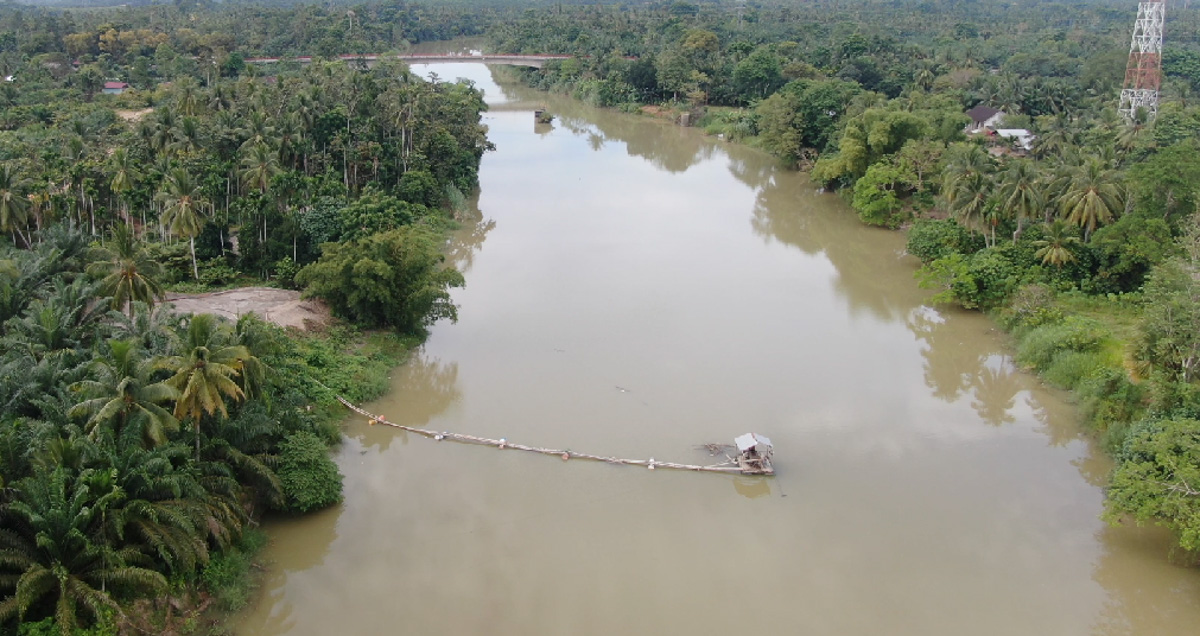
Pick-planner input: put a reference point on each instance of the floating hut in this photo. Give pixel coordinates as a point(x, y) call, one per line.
point(754, 454)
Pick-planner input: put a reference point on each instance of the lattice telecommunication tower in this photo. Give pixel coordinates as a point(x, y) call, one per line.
point(1143, 73)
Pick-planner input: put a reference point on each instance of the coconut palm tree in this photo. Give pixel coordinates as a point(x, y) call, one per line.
point(971, 203)
point(1020, 192)
point(206, 370)
point(51, 549)
point(1055, 248)
point(129, 275)
point(1056, 138)
point(1093, 197)
point(122, 392)
point(184, 208)
point(188, 136)
point(187, 97)
point(259, 166)
point(124, 173)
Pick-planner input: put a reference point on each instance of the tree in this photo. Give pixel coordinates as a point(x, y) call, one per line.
point(1020, 192)
point(184, 209)
point(394, 279)
point(259, 166)
point(1093, 197)
point(124, 173)
point(51, 540)
point(1167, 183)
point(129, 273)
point(122, 392)
point(758, 75)
point(205, 371)
point(1168, 339)
point(14, 207)
point(1158, 478)
point(920, 157)
point(1055, 248)
point(875, 194)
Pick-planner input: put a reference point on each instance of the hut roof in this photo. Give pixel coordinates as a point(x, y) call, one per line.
point(751, 440)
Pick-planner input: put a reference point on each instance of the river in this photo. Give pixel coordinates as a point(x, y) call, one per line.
point(637, 289)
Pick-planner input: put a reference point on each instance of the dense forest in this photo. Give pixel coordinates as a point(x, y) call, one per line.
point(139, 447)
point(141, 152)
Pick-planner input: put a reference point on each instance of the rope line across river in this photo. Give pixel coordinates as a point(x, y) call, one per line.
point(732, 465)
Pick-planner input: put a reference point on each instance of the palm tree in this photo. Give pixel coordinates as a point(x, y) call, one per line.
point(51, 543)
point(184, 208)
point(259, 166)
point(124, 173)
point(187, 136)
point(165, 509)
point(122, 392)
point(14, 207)
point(258, 130)
point(967, 185)
point(129, 275)
point(1058, 136)
point(1055, 249)
point(1093, 197)
point(206, 370)
point(1136, 130)
point(187, 97)
point(970, 204)
point(1020, 192)
point(164, 130)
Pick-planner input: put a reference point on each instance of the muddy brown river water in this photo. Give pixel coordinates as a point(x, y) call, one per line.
point(637, 289)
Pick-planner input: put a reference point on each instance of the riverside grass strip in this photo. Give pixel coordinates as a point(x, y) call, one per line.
point(730, 466)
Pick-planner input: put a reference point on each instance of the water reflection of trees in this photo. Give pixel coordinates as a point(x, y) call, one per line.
point(467, 241)
point(792, 212)
point(957, 361)
point(423, 389)
point(669, 147)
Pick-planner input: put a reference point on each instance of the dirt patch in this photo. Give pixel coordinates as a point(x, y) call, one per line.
point(659, 112)
point(280, 306)
point(132, 116)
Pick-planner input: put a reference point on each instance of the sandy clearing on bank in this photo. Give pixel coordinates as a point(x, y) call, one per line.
point(283, 307)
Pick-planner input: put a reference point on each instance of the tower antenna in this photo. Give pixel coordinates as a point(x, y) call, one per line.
point(1143, 72)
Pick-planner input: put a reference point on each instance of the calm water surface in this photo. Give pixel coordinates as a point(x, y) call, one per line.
point(637, 289)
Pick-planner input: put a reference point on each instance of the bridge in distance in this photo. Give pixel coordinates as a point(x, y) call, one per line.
point(535, 61)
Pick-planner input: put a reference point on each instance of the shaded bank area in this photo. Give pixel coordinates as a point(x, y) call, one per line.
point(640, 289)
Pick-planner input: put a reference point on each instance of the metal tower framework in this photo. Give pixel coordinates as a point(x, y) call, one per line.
point(1143, 73)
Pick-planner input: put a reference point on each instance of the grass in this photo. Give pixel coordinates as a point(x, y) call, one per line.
point(1118, 314)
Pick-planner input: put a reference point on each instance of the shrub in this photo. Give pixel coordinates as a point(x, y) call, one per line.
point(931, 239)
point(1069, 368)
point(981, 281)
point(310, 479)
point(1109, 401)
point(1039, 347)
point(1031, 306)
point(227, 575)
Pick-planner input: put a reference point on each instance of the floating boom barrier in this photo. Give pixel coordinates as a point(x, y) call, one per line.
point(732, 465)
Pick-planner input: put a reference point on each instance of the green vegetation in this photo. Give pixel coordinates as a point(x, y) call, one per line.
point(138, 446)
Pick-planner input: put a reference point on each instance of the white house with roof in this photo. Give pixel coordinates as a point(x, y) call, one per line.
point(983, 118)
